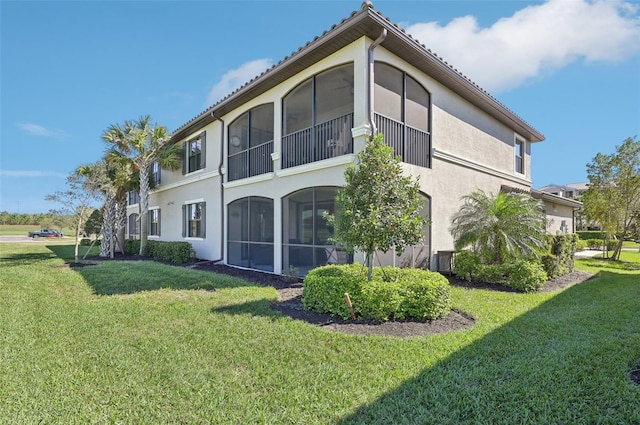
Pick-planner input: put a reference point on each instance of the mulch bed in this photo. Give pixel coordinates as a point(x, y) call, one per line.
point(290, 302)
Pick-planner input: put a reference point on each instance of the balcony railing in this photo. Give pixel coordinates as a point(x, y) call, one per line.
point(325, 140)
point(252, 162)
point(413, 145)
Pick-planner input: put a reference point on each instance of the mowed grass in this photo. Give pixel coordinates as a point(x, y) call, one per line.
point(140, 342)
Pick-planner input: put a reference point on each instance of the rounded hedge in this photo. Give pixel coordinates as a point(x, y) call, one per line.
point(393, 293)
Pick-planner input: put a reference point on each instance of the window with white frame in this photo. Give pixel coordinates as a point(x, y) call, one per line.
point(154, 222)
point(193, 220)
point(194, 154)
point(519, 149)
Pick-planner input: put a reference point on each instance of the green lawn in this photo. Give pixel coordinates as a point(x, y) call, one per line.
point(146, 343)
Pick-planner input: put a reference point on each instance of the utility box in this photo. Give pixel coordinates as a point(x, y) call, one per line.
point(445, 261)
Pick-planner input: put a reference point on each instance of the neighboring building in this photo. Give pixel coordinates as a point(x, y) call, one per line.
point(263, 165)
point(571, 190)
point(569, 193)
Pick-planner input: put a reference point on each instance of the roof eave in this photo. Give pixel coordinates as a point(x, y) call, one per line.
point(365, 22)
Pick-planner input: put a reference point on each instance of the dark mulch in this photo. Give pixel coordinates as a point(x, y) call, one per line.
point(290, 301)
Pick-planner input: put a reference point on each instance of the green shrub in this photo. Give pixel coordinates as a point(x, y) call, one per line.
point(560, 258)
point(525, 276)
point(324, 288)
point(132, 246)
point(591, 234)
point(393, 293)
point(426, 298)
point(380, 300)
point(581, 245)
point(173, 252)
point(597, 244)
point(551, 265)
point(88, 242)
point(465, 265)
point(494, 273)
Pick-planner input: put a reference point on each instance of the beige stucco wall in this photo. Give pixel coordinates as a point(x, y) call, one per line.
point(556, 214)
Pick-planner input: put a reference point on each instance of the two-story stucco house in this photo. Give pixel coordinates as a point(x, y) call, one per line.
point(262, 165)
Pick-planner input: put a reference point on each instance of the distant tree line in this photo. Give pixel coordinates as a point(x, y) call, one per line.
point(43, 220)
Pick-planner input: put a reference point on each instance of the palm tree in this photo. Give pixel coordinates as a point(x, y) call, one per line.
point(499, 226)
point(144, 144)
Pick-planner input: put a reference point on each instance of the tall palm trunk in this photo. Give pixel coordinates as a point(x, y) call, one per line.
point(121, 221)
point(108, 224)
point(144, 207)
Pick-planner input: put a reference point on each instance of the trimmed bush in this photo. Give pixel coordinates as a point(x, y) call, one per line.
point(525, 276)
point(581, 245)
point(560, 259)
point(597, 244)
point(324, 288)
point(465, 265)
point(132, 246)
point(590, 234)
point(172, 252)
point(394, 293)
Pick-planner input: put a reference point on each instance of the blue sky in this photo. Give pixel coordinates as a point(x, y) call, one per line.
point(571, 68)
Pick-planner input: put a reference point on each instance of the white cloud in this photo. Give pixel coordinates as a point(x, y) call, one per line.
point(38, 130)
point(535, 40)
point(235, 78)
point(31, 173)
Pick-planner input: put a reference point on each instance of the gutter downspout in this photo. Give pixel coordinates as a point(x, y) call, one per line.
point(370, 82)
point(221, 187)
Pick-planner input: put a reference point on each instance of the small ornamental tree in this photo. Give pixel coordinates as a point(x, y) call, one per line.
point(378, 208)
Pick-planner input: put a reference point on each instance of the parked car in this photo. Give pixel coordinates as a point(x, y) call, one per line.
point(45, 233)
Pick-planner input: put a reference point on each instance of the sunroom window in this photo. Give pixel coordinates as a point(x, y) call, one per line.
point(251, 143)
point(318, 117)
point(401, 107)
point(306, 234)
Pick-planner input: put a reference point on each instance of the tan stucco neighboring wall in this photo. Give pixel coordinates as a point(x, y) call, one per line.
point(556, 214)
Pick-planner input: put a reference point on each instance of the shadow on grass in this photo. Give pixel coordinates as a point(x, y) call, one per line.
point(569, 360)
point(117, 277)
point(611, 264)
point(14, 260)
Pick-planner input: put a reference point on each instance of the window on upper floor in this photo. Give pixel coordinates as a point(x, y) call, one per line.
point(251, 143)
point(193, 220)
point(155, 174)
point(401, 108)
point(154, 222)
point(519, 150)
point(318, 117)
point(194, 154)
point(133, 198)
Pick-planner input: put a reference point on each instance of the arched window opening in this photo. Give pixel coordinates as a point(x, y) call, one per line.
point(251, 143)
point(402, 108)
point(318, 117)
point(250, 233)
point(306, 233)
